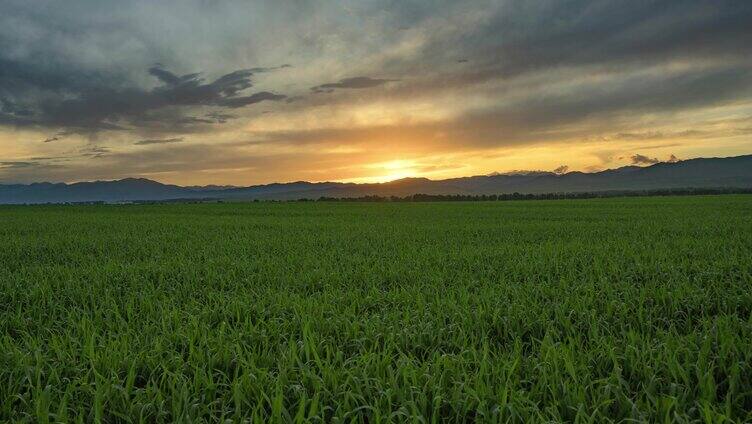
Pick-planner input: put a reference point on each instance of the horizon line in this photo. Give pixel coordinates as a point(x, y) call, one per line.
point(491, 174)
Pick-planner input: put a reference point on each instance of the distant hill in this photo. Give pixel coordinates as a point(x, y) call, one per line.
point(732, 172)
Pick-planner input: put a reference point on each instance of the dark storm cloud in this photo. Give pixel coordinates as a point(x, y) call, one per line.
point(158, 141)
point(508, 40)
point(350, 83)
point(44, 75)
point(10, 112)
point(270, 68)
point(236, 102)
point(168, 77)
point(523, 37)
point(109, 107)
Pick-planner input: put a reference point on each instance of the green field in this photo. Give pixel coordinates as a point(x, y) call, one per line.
point(598, 310)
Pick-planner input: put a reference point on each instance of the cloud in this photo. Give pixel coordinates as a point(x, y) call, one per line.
point(270, 68)
point(94, 152)
point(220, 118)
point(109, 107)
point(17, 164)
point(638, 159)
point(158, 141)
point(236, 102)
point(168, 77)
point(350, 83)
point(659, 135)
point(57, 137)
point(514, 39)
point(561, 169)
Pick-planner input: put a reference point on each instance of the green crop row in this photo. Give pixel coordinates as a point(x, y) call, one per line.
point(602, 310)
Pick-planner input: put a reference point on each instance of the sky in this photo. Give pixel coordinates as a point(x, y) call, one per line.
point(197, 92)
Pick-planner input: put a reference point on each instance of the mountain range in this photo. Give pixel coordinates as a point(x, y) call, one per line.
point(731, 172)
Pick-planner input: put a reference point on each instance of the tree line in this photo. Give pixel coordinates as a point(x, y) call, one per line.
point(534, 196)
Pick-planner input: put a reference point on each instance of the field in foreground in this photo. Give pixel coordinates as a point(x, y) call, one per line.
point(585, 311)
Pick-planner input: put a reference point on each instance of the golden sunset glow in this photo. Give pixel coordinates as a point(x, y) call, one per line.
point(371, 95)
point(394, 170)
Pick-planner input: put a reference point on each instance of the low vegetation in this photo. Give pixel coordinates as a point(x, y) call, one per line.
point(600, 310)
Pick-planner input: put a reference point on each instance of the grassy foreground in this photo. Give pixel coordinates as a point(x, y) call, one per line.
point(580, 311)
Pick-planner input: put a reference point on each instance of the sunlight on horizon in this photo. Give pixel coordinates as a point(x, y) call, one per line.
point(387, 171)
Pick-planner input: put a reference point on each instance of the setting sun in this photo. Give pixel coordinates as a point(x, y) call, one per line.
point(395, 170)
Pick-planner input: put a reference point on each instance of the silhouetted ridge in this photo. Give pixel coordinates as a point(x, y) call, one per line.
point(702, 173)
